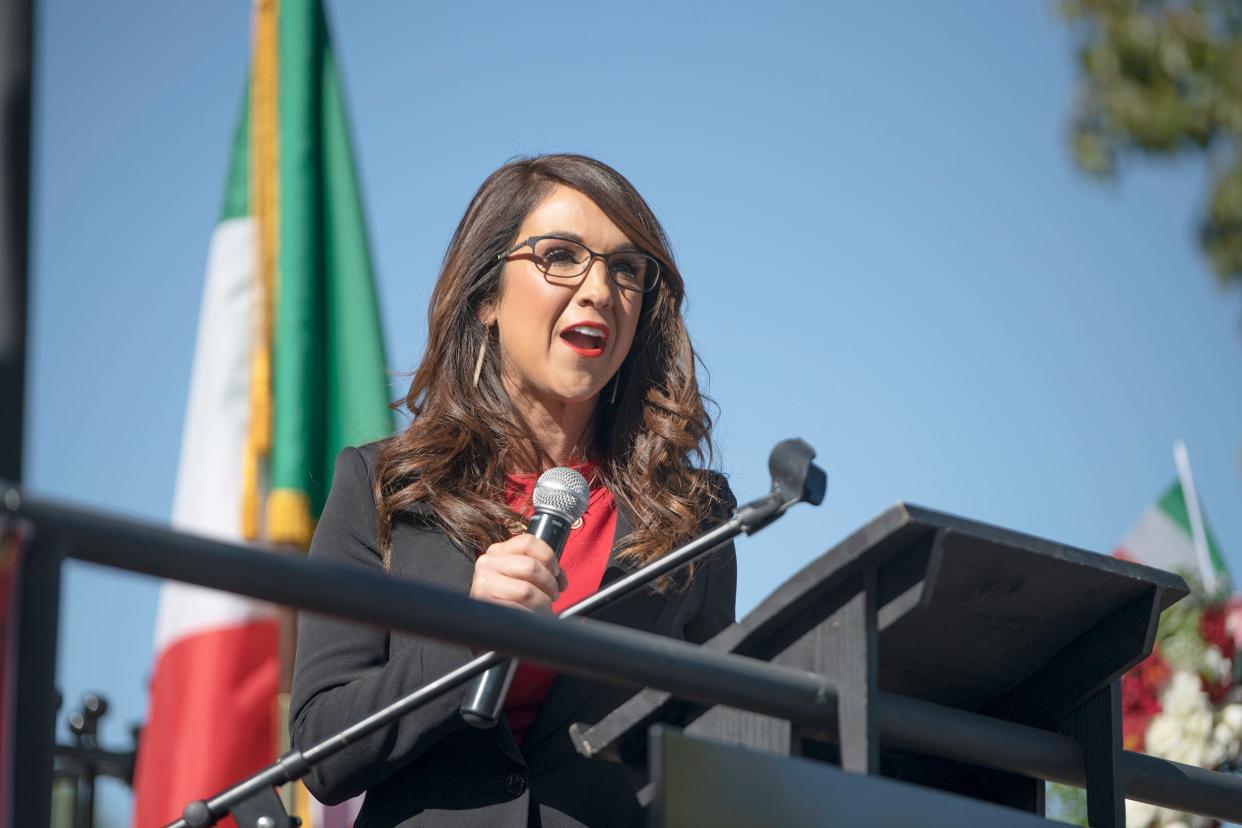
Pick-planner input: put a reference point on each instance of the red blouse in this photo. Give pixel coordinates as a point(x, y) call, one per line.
point(583, 560)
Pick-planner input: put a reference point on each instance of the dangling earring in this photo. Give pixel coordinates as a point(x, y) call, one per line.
point(478, 365)
point(616, 382)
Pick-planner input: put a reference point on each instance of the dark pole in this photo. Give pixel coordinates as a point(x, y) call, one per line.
point(31, 721)
point(16, 28)
point(15, 61)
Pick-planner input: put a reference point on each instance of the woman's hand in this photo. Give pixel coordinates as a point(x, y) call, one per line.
point(521, 572)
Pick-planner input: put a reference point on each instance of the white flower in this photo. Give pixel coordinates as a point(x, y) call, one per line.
point(1222, 734)
point(1231, 716)
point(1139, 814)
point(1186, 730)
point(1216, 664)
point(1197, 724)
point(1228, 734)
point(1163, 734)
point(1183, 694)
point(1189, 753)
point(1215, 753)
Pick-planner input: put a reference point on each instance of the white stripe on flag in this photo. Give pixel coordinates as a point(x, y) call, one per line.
point(207, 500)
point(1160, 542)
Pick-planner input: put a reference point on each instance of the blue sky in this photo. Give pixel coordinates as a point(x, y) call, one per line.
point(887, 248)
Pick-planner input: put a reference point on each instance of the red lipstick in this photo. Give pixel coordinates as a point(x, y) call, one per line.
point(586, 339)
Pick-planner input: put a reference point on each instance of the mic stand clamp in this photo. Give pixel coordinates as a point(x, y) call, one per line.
point(261, 809)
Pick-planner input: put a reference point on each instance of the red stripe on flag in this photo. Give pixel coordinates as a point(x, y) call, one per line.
point(212, 719)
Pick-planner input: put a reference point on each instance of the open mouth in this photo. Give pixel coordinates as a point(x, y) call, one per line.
point(586, 340)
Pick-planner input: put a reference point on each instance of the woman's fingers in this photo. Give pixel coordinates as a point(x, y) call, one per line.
point(499, 588)
point(521, 571)
point(529, 546)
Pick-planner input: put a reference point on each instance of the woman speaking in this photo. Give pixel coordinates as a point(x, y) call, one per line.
point(555, 338)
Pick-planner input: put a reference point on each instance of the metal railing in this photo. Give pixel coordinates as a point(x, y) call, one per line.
point(595, 650)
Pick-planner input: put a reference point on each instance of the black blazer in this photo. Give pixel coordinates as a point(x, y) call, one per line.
point(430, 768)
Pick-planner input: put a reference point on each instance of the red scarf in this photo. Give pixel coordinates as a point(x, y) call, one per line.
point(583, 560)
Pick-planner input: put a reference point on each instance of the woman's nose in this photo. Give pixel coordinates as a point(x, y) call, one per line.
point(596, 287)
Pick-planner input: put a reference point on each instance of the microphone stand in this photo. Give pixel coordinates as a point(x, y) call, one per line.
point(253, 801)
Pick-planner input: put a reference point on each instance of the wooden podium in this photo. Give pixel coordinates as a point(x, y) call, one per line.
point(917, 604)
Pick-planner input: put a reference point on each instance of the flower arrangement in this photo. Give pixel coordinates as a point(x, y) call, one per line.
point(1184, 702)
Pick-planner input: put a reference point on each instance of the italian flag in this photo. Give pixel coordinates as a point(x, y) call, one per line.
point(1164, 538)
point(288, 369)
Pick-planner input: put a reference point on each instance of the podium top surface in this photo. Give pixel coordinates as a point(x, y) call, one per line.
point(992, 609)
point(967, 614)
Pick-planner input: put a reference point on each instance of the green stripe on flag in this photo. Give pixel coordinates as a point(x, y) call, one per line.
point(358, 392)
point(1173, 504)
point(330, 389)
point(237, 188)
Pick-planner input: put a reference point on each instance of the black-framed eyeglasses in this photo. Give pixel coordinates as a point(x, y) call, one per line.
point(565, 260)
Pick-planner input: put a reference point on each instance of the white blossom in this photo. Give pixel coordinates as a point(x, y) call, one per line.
point(1216, 664)
point(1162, 734)
point(1183, 694)
point(1183, 731)
point(1139, 814)
point(1231, 716)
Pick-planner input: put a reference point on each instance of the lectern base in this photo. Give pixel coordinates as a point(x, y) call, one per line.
point(698, 782)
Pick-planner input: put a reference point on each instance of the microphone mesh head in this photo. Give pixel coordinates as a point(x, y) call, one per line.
point(562, 490)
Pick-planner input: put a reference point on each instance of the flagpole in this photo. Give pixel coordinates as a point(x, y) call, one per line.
point(1181, 458)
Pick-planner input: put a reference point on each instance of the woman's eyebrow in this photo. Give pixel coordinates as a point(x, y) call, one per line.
point(625, 247)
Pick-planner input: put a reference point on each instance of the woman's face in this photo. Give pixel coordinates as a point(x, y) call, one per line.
point(545, 360)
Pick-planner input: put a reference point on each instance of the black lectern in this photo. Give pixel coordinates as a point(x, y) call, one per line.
point(922, 605)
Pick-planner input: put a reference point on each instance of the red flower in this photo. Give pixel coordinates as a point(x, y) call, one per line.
point(1140, 698)
point(1212, 629)
point(1217, 690)
point(1233, 619)
point(1154, 672)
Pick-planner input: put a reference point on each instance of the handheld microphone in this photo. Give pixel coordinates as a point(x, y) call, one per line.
point(560, 498)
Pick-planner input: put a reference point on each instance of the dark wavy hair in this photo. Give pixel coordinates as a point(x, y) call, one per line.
point(649, 446)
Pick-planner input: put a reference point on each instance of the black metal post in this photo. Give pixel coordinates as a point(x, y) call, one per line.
point(31, 721)
point(1096, 726)
point(16, 29)
point(16, 36)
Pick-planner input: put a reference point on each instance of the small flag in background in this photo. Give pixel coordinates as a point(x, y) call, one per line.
point(288, 369)
point(1164, 538)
